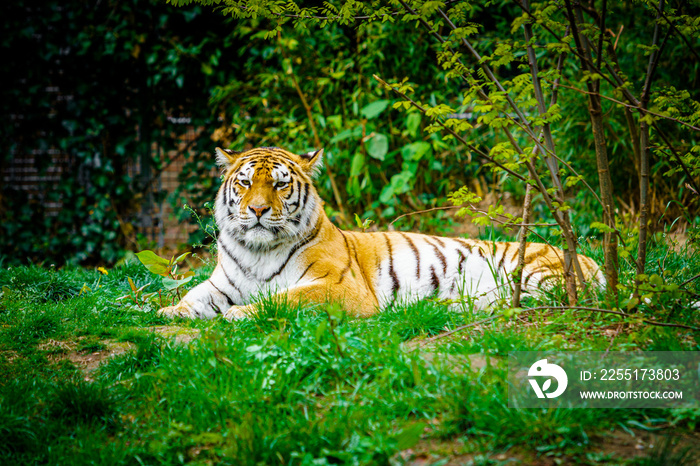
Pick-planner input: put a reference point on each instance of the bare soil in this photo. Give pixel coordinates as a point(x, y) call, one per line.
point(88, 362)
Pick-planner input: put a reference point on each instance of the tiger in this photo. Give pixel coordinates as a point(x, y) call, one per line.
point(276, 240)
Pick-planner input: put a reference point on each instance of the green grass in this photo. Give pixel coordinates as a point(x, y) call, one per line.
point(300, 385)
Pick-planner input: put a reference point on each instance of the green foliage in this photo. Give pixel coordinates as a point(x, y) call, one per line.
point(423, 318)
point(100, 85)
point(39, 285)
point(295, 94)
point(363, 224)
point(144, 297)
point(166, 269)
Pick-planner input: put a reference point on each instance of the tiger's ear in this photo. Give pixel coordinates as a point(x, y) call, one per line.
point(312, 162)
point(225, 157)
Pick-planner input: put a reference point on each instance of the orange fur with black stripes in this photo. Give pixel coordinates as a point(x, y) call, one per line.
point(275, 239)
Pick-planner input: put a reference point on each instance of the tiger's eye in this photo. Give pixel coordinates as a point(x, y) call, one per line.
point(244, 183)
point(281, 184)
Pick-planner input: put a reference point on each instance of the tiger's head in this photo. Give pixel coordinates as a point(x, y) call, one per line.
point(267, 197)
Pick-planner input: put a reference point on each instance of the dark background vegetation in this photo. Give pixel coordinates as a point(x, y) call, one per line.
point(101, 82)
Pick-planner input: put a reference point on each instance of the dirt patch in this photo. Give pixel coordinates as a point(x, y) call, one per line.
point(451, 453)
point(460, 363)
point(9, 356)
point(88, 361)
point(182, 335)
point(616, 447)
point(428, 351)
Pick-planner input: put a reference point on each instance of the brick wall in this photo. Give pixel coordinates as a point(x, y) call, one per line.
point(174, 232)
point(157, 222)
point(24, 174)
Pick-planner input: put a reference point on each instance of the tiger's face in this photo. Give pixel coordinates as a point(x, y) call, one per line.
point(267, 197)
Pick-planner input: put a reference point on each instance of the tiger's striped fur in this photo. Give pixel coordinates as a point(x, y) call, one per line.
point(274, 238)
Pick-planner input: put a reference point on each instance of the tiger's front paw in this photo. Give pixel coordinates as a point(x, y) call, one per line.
point(179, 310)
point(239, 312)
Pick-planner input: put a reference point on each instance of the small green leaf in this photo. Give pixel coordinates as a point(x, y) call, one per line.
point(656, 280)
point(181, 257)
point(358, 162)
point(413, 123)
point(354, 133)
point(378, 146)
point(416, 150)
point(172, 284)
point(386, 194)
point(358, 221)
point(320, 330)
point(374, 109)
point(153, 262)
point(409, 436)
point(602, 227)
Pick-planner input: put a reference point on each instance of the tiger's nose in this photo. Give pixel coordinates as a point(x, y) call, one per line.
point(259, 210)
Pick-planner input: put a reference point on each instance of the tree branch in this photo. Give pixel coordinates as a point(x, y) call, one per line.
point(469, 146)
point(418, 212)
point(601, 34)
point(676, 156)
point(557, 308)
point(635, 106)
point(682, 36)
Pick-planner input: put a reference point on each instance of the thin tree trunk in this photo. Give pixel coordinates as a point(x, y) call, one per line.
point(645, 154)
point(643, 199)
point(629, 115)
point(522, 238)
point(634, 134)
point(595, 111)
point(569, 252)
point(609, 237)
